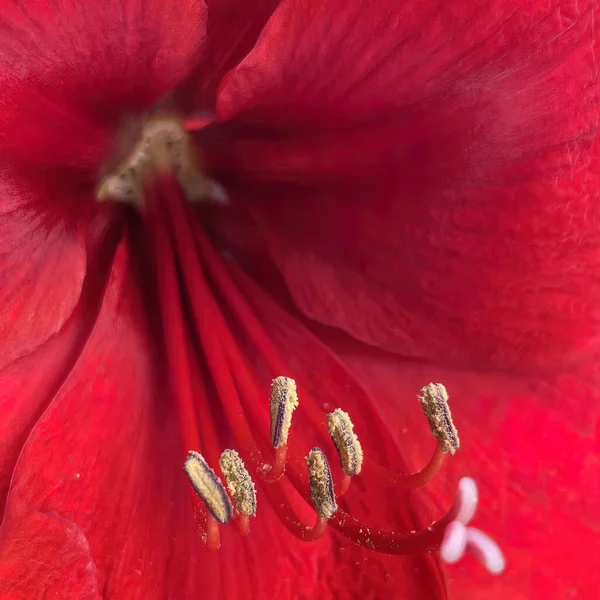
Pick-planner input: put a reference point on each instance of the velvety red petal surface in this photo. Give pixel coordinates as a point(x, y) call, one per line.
point(28, 384)
point(424, 173)
point(70, 72)
point(231, 31)
point(41, 271)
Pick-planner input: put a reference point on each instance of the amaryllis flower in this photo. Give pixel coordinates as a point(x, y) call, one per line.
point(372, 200)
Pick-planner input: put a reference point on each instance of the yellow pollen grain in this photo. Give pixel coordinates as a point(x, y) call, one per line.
point(434, 400)
point(321, 484)
point(239, 483)
point(341, 430)
point(284, 401)
point(163, 144)
point(208, 486)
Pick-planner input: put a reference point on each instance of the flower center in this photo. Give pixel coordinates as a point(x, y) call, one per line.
point(164, 144)
point(202, 305)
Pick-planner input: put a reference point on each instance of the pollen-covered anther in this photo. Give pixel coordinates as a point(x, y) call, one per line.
point(208, 486)
point(239, 483)
point(341, 430)
point(434, 400)
point(163, 144)
point(321, 484)
point(284, 401)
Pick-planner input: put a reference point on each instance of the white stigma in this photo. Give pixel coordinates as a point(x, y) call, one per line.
point(485, 549)
point(455, 542)
point(459, 538)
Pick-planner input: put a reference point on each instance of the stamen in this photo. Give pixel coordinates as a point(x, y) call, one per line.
point(434, 400)
point(391, 478)
point(321, 484)
point(280, 503)
point(341, 430)
point(178, 360)
point(239, 482)
point(284, 401)
point(208, 486)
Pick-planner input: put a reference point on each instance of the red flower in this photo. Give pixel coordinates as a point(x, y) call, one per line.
point(412, 196)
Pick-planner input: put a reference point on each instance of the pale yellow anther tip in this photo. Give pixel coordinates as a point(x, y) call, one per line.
point(341, 430)
point(434, 400)
point(284, 401)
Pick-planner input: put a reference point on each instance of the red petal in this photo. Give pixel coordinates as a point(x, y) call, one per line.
point(99, 505)
point(71, 72)
point(42, 269)
point(28, 384)
point(69, 468)
point(532, 446)
point(232, 29)
point(64, 548)
point(435, 173)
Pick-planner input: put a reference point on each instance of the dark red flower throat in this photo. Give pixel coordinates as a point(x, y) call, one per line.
point(202, 305)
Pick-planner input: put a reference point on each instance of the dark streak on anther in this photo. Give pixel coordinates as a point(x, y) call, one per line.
point(208, 486)
point(284, 401)
point(341, 430)
point(322, 489)
point(434, 400)
point(239, 482)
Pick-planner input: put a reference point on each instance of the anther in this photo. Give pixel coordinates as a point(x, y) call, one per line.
point(341, 430)
point(284, 401)
point(239, 482)
point(321, 484)
point(486, 550)
point(434, 400)
point(208, 486)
